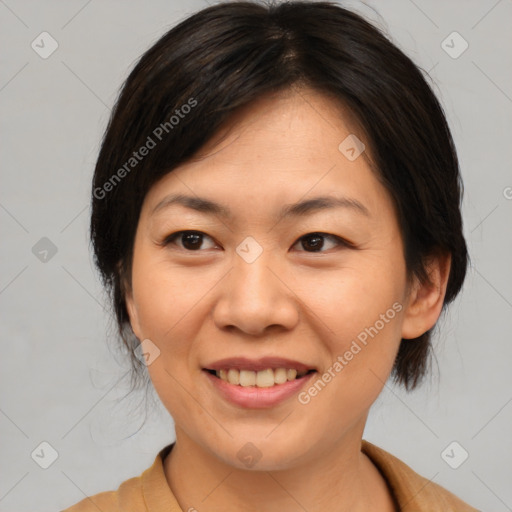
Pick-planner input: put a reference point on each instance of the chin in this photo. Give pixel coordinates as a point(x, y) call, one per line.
point(260, 451)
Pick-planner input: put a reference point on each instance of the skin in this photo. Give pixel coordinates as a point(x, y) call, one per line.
point(294, 301)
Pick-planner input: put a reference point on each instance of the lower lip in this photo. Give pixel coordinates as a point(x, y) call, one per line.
point(253, 397)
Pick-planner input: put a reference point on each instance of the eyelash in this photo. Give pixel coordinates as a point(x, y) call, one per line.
point(340, 241)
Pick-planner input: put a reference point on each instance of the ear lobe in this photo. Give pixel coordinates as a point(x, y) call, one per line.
point(425, 301)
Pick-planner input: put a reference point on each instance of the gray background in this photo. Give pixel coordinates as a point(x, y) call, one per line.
point(61, 374)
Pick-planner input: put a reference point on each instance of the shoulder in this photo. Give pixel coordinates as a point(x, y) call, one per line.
point(130, 491)
point(149, 491)
point(412, 491)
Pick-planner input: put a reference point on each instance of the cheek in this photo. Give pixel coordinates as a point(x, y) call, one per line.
point(172, 306)
point(160, 302)
point(164, 294)
point(355, 298)
point(361, 357)
point(167, 302)
point(362, 310)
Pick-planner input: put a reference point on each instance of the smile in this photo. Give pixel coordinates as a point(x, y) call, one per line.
point(262, 379)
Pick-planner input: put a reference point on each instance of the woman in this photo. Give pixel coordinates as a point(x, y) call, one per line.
point(276, 214)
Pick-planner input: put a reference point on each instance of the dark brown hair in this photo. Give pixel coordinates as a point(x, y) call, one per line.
point(224, 57)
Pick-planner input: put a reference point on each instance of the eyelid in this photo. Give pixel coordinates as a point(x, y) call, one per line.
point(339, 240)
point(170, 238)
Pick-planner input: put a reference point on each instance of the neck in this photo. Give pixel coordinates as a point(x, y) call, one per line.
point(342, 480)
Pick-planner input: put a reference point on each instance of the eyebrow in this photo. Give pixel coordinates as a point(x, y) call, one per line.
point(302, 208)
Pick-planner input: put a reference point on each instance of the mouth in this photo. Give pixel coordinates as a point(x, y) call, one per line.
point(261, 379)
point(257, 383)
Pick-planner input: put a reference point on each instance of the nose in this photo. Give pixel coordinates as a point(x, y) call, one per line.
point(255, 298)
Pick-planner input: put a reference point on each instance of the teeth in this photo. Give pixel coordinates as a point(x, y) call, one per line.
point(265, 378)
point(280, 375)
point(233, 376)
point(247, 378)
point(262, 379)
point(291, 374)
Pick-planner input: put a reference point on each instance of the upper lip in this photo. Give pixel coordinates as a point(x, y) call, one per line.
point(256, 365)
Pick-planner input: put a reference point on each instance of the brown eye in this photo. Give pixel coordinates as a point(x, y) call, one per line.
point(190, 240)
point(315, 242)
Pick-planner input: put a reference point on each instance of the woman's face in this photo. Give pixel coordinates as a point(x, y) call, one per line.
point(259, 292)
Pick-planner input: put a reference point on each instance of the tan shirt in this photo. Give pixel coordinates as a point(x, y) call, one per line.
point(150, 492)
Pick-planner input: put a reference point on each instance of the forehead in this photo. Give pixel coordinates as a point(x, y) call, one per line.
point(278, 150)
point(300, 116)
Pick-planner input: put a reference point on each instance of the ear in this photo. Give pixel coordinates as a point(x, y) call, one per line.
point(127, 292)
point(425, 301)
point(132, 313)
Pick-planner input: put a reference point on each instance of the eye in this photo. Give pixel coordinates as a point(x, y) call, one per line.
point(190, 240)
point(314, 242)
